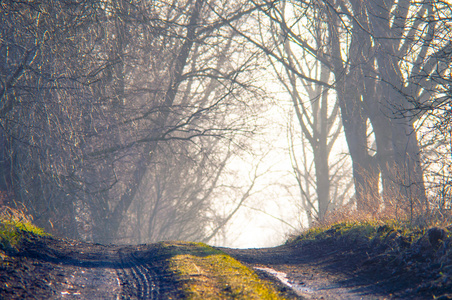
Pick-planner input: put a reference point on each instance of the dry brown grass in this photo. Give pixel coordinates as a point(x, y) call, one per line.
point(395, 205)
point(10, 214)
point(18, 215)
point(432, 218)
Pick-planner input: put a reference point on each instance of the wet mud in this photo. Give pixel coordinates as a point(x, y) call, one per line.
point(49, 268)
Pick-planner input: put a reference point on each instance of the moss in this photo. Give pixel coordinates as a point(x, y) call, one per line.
point(12, 232)
point(207, 273)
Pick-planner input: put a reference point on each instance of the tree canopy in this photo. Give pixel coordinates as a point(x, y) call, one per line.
point(119, 120)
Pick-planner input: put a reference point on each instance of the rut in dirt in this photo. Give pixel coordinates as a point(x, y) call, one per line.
point(128, 272)
point(61, 269)
point(143, 274)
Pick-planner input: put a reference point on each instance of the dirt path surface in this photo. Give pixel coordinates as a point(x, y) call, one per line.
point(59, 269)
point(331, 269)
point(313, 274)
point(50, 268)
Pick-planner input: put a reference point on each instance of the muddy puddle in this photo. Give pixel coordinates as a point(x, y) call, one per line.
point(299, 288)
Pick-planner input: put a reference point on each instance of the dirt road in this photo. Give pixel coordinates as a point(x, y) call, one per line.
point(60, 269)
point(315, 274)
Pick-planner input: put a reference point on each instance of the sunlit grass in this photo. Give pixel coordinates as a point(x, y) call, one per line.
point(207, 273)
point(11, 233)
point(13, 225)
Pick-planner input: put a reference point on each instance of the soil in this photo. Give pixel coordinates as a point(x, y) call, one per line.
point(327, 271)
point(48, 268)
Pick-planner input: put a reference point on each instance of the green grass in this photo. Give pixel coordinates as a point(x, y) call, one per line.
point(207, 273)
point(12, 232)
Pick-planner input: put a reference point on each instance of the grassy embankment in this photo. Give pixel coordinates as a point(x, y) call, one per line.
point(396, 248)
point(14, 227)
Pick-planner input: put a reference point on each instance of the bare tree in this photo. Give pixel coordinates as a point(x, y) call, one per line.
point(377, 51)
point(44, 107)
point(390, 61)
point(98, 98)
point(317, 112)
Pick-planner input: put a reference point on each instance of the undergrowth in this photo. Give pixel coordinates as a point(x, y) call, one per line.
point(359, 230)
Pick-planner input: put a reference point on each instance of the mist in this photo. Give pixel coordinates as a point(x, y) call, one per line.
point(233, 123)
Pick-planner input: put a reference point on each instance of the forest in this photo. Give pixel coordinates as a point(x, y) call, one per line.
point(146, 120)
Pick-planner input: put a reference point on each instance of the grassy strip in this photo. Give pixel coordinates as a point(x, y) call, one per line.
point(207, 273)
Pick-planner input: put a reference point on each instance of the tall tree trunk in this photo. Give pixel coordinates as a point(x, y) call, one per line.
point(350, 87)
point(365, 171)
point(399, 148)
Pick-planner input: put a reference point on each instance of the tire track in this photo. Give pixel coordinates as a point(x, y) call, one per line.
point(50, 268)
point(144, 278)
point(150, 279)
point(132, 284)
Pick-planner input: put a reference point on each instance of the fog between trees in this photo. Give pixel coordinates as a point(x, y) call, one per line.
point(121, 120)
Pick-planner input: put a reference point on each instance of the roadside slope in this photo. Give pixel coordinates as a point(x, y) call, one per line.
point(363, 260)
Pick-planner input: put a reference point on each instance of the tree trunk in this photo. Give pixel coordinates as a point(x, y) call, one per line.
point(365, 172)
